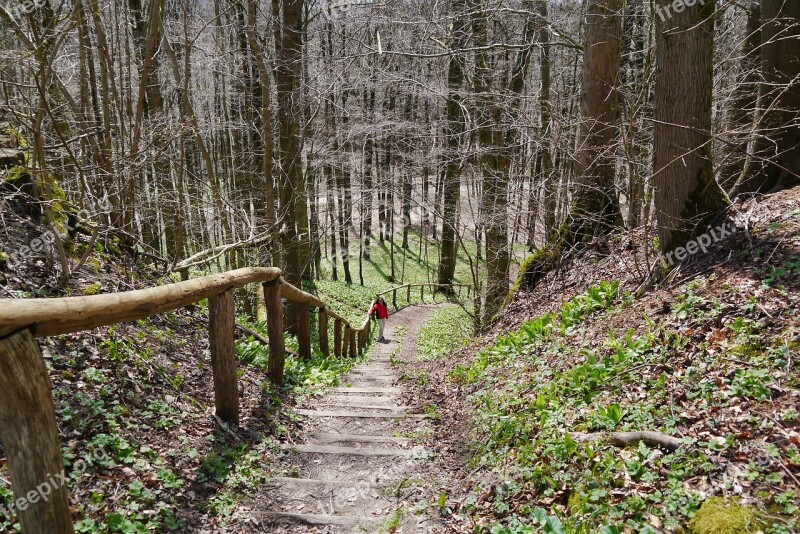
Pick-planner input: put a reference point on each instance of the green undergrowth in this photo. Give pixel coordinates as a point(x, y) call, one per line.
point(302, 377)
point(130, 457)
point(535, 389)
point(448, 329)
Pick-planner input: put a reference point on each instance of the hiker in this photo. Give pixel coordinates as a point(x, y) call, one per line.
point(380, 311)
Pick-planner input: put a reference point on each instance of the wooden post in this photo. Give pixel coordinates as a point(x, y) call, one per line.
point(337, 338)
point(221, 325)
point(277, 348)
point(408, 293)
point(324, 347)
point(353, 348)
point(422, 294)
point(394, 298)
point(346, 350)
point(30, 437)
point(360, 342)
point(303, 332)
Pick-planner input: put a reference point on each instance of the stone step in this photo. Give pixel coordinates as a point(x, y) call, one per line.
point(326, 437)
point(388, 399)
point(369, 389)
point(352, 451)
point(398, 409)
point(307, 482)
point(324, 519)
point(364, 415)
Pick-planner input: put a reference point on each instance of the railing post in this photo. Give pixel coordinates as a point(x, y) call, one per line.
point(353, 348)
point(337, 338)
point(394, 298)
point(30, 437)
point(346, 349)
point(323, 333)
point(422, 294)
point(303, 332)
point(277, 348)
point(408, 293)
point(221, 325)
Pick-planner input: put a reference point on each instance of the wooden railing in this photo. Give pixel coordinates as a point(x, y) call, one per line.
point(28, 428)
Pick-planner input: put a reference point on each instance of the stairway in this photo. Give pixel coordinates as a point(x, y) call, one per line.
point(359, 463)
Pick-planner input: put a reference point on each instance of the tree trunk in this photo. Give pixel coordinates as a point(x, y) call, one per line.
point(277, 347)
point(780, 99)
point(596, 207)
point(455, 129)
point(687, 199)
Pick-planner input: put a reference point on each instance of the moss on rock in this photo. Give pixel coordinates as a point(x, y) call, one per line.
point(92, 289)
point(724, 516)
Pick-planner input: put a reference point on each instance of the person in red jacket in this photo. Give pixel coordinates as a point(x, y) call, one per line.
point(380, 311)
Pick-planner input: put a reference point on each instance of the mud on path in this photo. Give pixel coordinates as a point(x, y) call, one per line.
point(360, 466)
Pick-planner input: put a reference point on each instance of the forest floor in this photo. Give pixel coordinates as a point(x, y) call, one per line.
point(710, 357)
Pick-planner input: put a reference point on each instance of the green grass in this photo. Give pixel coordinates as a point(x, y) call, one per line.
point(448, 329)
point(417, 265)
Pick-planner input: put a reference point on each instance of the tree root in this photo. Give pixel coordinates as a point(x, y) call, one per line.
point(623, 439)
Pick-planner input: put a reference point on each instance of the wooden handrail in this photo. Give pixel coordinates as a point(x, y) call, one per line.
point(27, 414)
point(51, 317)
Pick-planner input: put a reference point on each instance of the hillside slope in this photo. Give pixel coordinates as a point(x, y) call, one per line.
point(710, 358)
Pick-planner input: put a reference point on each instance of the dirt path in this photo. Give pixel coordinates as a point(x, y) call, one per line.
point(360, 466)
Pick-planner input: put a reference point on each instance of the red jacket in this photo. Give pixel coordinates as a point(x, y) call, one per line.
point(381, 309)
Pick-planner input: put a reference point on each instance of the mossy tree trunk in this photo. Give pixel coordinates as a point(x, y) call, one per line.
point(595, 210)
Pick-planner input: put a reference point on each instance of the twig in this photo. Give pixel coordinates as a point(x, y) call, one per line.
point(747, 226)
point(623, 439)
point(224, 426)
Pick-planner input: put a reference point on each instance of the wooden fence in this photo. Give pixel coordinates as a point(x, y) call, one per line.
point(28, 428)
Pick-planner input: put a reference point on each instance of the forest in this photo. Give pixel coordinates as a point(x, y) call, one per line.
point(583, 215)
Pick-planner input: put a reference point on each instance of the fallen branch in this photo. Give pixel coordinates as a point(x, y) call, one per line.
point(258, 337)
point(261, 339)
point(214, 252)
point(623, 439)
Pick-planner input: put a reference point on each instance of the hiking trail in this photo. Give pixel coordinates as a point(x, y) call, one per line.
point(359, 465)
